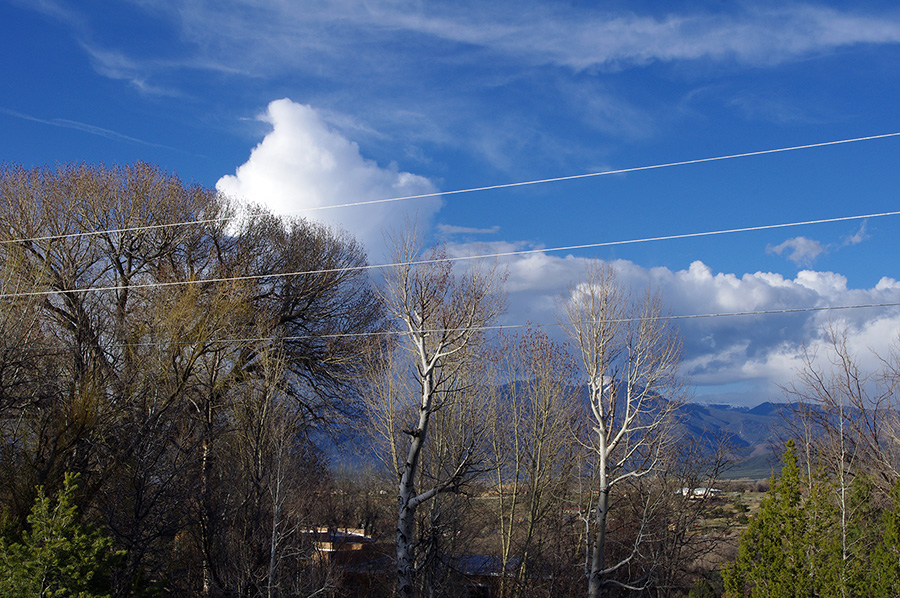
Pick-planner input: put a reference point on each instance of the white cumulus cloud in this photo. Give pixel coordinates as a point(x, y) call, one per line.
point(303, 166)
point(756, 354)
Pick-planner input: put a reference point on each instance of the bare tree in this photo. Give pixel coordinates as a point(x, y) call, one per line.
point(677, 551)
point(440, 316)
point(148, 359)
point(532, 392)
point(853, 414)
point(630, 357)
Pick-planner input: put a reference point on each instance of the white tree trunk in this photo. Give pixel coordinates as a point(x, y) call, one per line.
point(442, 313)
point(406, 497)
point(630, 357)
point(595, 580)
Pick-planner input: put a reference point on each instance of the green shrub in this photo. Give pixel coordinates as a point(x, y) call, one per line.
point(58, 557)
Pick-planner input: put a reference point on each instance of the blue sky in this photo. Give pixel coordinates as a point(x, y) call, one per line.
point(302, 104)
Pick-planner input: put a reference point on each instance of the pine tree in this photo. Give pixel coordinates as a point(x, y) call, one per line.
point(58, 557)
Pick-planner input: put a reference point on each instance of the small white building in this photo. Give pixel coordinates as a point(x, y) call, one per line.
point(698, 493)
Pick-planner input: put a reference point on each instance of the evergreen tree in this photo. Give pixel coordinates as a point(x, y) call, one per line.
point(821, 543)
point(58, 557)
point(863, 534)
point(885, 578)
point(807, 545)
point(772, 559)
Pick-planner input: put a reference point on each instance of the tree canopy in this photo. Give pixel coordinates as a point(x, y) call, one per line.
point(176, 350)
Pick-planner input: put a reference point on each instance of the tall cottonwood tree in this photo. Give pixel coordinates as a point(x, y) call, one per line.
point(630, 356)
point(148, 345)
point(440, 316)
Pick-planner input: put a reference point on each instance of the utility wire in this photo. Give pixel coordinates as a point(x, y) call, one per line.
point(761, 312)
point(495, 255)
point(611, 172)
point(459, 191)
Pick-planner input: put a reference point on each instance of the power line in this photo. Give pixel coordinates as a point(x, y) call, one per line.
point(496, 327)
point(495, 255)
point(115, 231)
point(611, 172)
point(761, 312)
point(461, 191)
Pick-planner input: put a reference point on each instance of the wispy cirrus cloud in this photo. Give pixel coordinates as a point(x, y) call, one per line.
point(117, 65)
point(400, 54)
point(449, 230)
point(245, 36)
point(80, 126)
point(54, 9)
point(538, 32)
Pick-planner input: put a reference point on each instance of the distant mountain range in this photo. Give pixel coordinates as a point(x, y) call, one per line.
point(755, 435)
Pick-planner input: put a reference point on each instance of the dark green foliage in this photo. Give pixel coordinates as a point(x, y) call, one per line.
point(772, 560)
point(58, 557)
point(819, 539)
point(703, 589)
point(885, 580)
point(863, 534)
point(821, 543)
